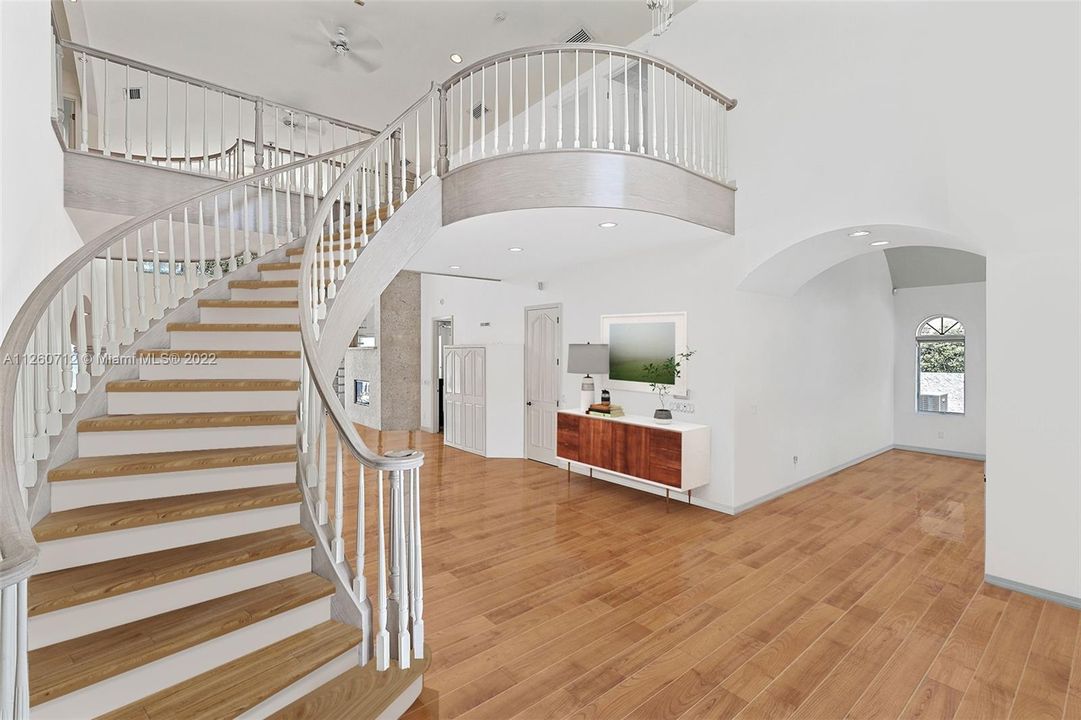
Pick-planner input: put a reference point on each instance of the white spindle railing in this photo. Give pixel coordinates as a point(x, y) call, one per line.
point(601, 96)
point(111, 290)
point(382, 178)
point(147, 114)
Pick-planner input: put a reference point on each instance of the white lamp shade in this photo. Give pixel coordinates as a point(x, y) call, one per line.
point(587, 358)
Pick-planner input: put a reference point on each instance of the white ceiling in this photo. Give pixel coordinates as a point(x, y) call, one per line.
point(550, 239)
point(277, 49)
point(923, 266)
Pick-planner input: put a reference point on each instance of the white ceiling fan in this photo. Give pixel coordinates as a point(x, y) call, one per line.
point(365, 52)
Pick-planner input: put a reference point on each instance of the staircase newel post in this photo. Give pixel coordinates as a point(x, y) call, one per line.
point(444, 160)
point(258, 134)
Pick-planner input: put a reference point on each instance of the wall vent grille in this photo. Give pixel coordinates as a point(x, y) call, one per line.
point(133, 93)
point(580, 36)
point(478, 110)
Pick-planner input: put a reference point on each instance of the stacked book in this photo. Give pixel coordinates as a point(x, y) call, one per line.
point(605, 410)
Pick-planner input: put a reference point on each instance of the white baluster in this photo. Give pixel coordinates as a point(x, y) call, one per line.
point(593, 103)
point(82, 378)
point(382, 637)
point(29, 437)
point(626, 105)
point(173, 295)
point(664, 76)
point(187, 128)
point(202, 274)
point(97, 322)
point(653, 107)
point(221, 152)
point(483, 112)
point(543, 106)
point(675, 119)
point(140, 285)
point(469, 115)
point(418, 570)
point(53, 372)
point(41, 392)
point(364, 204)
point(127, 330)
point(113, 343)
point(724, 144)
point(495, 118)
point(274, 234)
point(360, 585)
point(67, 376)
point(559, 98)
point(103, 130)
point(159, 306)
point(525, 128)
point(339, 274)
point(577, 114)
point(189, 273)
point(686, 138)
point(337, 545)
point(321, 484)
point(84, 142)
point(402, 567)
point(352, 219)
point(641, 113)
point(22, 469)
point(147, 145)
point(327, 273)
point(232, 263)
point(261, 227)
point(611, 104)
point(127, 112)
point(246, 219)
point(432, 136)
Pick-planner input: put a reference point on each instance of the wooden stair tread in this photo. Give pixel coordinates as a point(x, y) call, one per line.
point(186, 421)
point(67, 666)
point(235, 687)
point(249, 303)
point(87, 468)
point(232, 327)
point(220, 354)
point(270, 266)
point(87, 583)
point(195, 385)
point(259, 284)
point(360, 692)
point(140, 513)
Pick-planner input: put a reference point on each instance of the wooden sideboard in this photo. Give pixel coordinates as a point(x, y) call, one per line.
point(674, 457)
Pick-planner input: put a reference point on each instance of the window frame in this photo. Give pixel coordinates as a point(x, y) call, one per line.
point(943, 338)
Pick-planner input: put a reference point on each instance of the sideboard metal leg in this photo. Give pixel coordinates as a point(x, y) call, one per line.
point(689, 497)
point(667, 497)
point(568, 472)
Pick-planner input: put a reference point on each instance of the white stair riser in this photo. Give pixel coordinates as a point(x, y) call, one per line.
point(309, 683)
point(249, 314)
point(223, 368)
point(279, 274)
point(142, 403)
point(267, 293)
point(72, 494)
point(256, 340)
point(128, 687)
point(61, 625)
point(126, 442)
point(87, 549)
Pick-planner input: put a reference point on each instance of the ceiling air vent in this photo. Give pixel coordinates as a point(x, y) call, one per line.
point(478, 110)
point(133, 93)
point(580, 36)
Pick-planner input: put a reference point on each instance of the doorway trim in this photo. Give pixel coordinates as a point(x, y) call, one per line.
point(434, 339)
point(558, 306)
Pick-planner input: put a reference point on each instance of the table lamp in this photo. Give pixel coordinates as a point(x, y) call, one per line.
point(587, 358)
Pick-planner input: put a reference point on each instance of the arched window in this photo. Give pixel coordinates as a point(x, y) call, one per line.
point(940, 365)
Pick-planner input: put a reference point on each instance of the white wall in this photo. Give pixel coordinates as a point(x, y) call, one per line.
point(954, 433)
point(862, 113)
point(730, 373)
point(35, 232)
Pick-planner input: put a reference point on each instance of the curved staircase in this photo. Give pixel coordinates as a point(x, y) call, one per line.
point(175, 578)
point(174, 539)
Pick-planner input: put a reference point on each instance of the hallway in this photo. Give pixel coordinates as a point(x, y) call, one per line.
point(861, 594)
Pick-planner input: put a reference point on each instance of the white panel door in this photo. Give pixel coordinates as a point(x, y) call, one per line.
point(464, 396)
point(543, 374)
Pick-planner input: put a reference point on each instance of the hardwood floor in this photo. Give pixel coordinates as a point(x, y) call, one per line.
point(859, 596)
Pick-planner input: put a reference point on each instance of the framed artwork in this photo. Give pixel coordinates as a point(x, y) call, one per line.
point(637, 340)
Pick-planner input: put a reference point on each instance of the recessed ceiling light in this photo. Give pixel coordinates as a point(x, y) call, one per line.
point(607, 225)
point(514, 249)
point(859, 233)
point(455, 267)
point(878, 243)
point(455, 58)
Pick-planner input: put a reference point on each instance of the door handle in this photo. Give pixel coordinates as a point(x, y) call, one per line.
point(529, 403)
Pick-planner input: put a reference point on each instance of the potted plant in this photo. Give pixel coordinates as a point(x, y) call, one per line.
point(662, 377)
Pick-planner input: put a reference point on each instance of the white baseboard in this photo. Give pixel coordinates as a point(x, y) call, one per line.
point(1050, 595)
point(940, 451)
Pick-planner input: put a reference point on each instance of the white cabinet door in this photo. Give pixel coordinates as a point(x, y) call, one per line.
point(464, 396)
point(542, 382)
